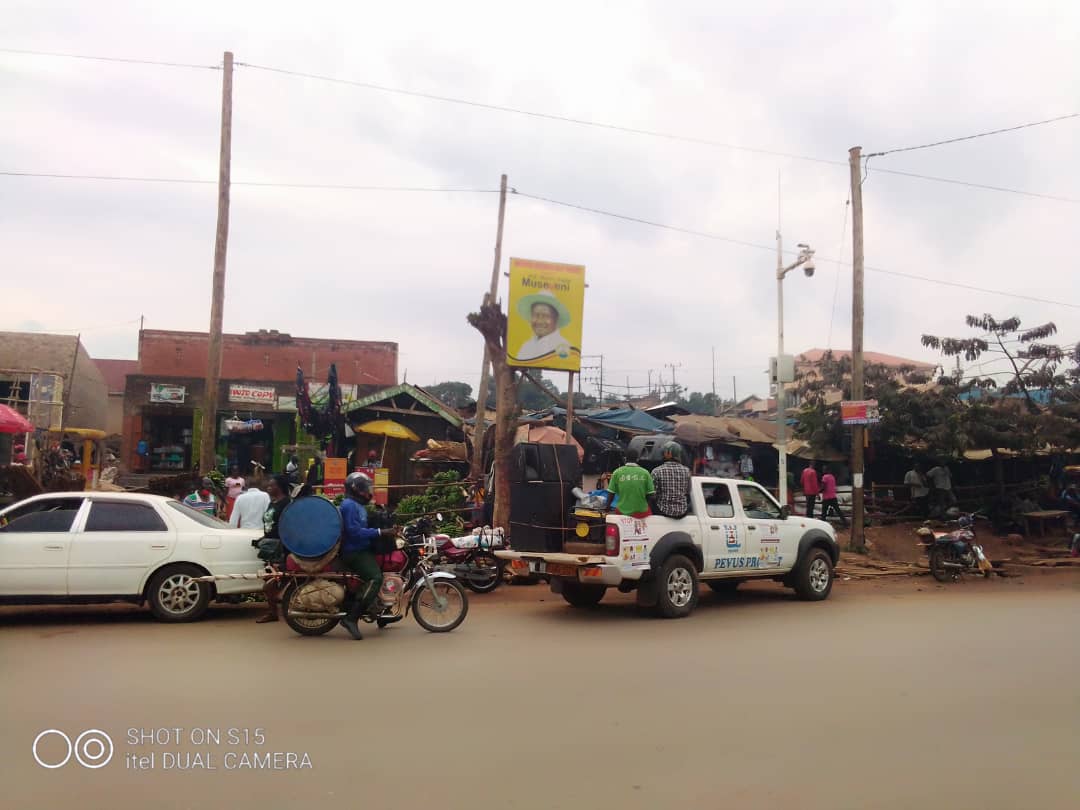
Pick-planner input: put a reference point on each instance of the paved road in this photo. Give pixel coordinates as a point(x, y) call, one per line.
point(954, 697)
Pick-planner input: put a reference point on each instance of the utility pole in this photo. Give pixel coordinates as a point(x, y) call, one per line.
point(715, 404)
point(858, 433)
point(481, 396)
point(674, 384)
point(781, 406)
point(207, 445)
point(734, 394)
point(601, 391)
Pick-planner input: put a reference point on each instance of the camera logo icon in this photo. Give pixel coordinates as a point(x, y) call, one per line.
point(92, 749)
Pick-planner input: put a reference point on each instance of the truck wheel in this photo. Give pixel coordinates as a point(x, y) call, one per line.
point(582, 596)
point(678, 583)
point(814, 575)
point(724, 587)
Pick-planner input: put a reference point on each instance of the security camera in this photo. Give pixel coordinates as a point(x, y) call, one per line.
point(808, 268)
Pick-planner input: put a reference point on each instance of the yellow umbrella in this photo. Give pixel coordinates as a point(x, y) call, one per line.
point(388, 429)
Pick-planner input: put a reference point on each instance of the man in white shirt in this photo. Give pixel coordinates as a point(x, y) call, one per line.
point(941, 478)
point(920, 493)
point(249, 508)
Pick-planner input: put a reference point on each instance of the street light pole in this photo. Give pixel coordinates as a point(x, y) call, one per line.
point(781, 421)
point(806, 261)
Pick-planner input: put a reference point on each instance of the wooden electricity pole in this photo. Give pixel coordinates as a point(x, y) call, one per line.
point(477, 467)
point(570, 408)
point(207, 447)
point(858, 433)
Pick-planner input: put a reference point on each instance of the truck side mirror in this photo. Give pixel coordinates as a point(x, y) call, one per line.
point(785, 512)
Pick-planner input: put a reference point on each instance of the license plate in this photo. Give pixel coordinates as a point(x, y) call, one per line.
point(562, 570)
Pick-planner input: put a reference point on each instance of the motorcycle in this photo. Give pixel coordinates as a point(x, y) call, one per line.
point(316, 590)
point(954, 552)
point(470, 558)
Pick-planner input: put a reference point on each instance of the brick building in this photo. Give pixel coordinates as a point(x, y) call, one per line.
point(163, 397)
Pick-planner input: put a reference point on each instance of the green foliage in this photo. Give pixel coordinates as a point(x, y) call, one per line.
point(452, 393)
point(445, 494)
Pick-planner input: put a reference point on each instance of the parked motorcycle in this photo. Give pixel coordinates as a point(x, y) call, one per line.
point(954, 552)
point(470, 558)
point(315, 592)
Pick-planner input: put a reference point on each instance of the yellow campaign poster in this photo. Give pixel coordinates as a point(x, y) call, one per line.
point(547, 301)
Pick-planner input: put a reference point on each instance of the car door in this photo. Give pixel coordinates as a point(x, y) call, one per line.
point(764, 521)
point(725, 535)
point(35, 541)
point(116, 545)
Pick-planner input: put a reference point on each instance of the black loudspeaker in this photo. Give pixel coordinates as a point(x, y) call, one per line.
point(538, 514)
point(551, 463)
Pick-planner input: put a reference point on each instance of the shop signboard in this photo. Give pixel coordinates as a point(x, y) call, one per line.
point(334, 472)
point(253, 394)
point(860, 412)
point(286, 403)
point(170, 394)
point(547, 302)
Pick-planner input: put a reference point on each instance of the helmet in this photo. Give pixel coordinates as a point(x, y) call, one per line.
point(966, 522)
point(357, 484)
point(674, 449)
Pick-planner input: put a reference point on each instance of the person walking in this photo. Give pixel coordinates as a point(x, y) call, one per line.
point(249, 508)
point(234, 485)
point(920, 492)
point(274, 555)
point(632, 485)
point(811, 487)
point(829, 501)
point(941, 478)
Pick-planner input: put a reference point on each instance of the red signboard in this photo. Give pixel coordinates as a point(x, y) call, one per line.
point(860, 412)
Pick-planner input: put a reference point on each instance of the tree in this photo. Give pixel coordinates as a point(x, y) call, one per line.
point(453, 394)
point(697, 402)
point(537, 398)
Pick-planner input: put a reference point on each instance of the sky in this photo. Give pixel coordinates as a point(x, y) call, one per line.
point(802, 79)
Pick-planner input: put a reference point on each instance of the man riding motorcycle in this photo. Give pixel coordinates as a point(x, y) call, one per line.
point(357, 553)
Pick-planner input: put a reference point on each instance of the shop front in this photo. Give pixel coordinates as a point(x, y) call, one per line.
point(257, 423)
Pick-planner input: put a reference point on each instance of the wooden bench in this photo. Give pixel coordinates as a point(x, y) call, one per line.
point(1040, 518)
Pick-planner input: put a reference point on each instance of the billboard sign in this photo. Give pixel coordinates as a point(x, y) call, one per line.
point(860, 412)
point(254, 394)
point(170, 394)
point(544, 319)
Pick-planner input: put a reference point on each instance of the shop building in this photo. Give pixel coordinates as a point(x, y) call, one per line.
point(257, 420)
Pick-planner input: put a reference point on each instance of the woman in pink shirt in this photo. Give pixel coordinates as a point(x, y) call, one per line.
point(811, 488)
point(829, 502)
point(234, 485)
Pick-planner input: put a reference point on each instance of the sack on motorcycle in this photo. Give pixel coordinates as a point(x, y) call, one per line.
point(319, 596)
point(313, 566)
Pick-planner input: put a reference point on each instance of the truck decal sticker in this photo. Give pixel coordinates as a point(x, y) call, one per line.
point(731, 535)
point(736, 562)
point(771, 557)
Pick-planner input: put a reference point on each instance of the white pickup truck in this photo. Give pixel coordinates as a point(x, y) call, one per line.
point(735, 531)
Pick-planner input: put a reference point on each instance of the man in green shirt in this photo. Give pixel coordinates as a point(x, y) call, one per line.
point(632, 485)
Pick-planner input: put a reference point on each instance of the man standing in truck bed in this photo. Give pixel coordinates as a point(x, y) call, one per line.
point(632, 485)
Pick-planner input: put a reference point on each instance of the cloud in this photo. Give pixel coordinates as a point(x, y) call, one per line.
point(408, 266)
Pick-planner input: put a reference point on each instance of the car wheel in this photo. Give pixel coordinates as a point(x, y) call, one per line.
point(582, 596)
point(678, 587)
point(175, 596)
point(814, 576)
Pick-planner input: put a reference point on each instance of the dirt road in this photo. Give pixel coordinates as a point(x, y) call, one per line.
point(886, 696)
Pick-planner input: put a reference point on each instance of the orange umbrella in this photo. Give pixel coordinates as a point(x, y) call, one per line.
point(546, 434)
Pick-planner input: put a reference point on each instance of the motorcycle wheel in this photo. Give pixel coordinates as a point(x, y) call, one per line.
point(305, 627)
point(937, 566)
point(489, 584)
point(426, 610)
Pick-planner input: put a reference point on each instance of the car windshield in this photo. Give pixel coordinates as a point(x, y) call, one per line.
point(198, 517)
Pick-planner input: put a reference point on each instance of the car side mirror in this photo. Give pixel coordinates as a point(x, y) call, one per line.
point(785, 512)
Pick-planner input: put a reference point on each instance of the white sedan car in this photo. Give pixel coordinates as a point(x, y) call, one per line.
point(102, 546)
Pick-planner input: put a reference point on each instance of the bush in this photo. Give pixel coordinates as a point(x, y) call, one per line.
point(445, 494)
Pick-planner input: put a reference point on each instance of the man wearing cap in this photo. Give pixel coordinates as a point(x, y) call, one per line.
point(278, 492)
point(546, 314)
point(202, 499)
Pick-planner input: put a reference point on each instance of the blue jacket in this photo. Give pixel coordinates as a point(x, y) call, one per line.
point(357, 536)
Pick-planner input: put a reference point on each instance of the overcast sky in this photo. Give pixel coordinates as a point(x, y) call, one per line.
point(799, 78)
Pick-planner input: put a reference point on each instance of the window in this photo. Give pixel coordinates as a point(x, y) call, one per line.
point(117, 516)
point(201, 518)
point(718, 500)
point(49, 515)
point(757, 504)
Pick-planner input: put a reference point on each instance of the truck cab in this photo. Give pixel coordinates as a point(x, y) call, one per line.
point(735, 531)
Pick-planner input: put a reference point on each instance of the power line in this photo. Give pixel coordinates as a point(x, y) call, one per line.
point(250, 183)
point(1038, 195)
point(976, 135)
point(771, 249)
point(120, 59)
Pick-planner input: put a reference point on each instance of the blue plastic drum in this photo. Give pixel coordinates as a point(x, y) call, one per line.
point(310, 526)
